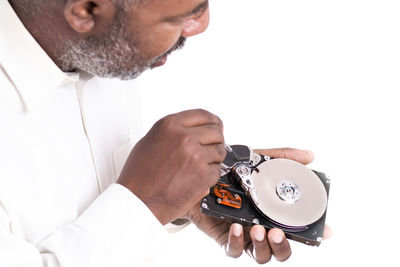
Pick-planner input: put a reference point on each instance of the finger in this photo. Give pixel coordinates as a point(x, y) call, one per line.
point(302, 156)
point(279, 244)
point(214, 153)
point(214, 173)
point(234, 247)
point(208, 134)
point(327, 232)
point(261, 249)
point(196, 117)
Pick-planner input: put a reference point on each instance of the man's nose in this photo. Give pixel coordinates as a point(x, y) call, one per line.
point(193, 27)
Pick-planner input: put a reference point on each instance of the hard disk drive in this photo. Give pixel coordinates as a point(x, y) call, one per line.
point(272, 192)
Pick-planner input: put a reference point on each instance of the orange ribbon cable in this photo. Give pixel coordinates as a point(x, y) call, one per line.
point(226, 198)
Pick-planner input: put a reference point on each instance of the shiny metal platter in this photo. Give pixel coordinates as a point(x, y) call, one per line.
point(289, 193)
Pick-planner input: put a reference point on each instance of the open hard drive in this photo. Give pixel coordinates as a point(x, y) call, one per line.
point(272, 192)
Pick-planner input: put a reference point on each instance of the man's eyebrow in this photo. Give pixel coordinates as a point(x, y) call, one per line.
point(201, 7)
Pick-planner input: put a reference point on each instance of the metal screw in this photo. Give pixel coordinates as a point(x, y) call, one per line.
point(242, 170)
point(204, 205)
point(228, 148)
point(219, 200)
point(256, 221)
point(256, 159)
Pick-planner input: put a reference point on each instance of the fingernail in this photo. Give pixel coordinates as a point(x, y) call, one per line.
point(259, 234)
point(236, 229)
point(277, 238)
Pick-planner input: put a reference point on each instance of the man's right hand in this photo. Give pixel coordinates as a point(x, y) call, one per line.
point(174, 165)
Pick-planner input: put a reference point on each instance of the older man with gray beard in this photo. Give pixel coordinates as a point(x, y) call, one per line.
point(73, 192)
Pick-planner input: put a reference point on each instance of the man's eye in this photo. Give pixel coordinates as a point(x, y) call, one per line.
point(200, 11)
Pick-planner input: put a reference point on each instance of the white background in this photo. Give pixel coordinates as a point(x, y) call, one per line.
point(319, 75)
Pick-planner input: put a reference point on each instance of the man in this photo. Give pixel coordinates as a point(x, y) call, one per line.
point(64, 200)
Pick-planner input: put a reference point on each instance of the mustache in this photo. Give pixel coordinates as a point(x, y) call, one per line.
point(179, 45)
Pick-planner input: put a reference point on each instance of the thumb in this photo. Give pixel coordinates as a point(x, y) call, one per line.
point(302, 156)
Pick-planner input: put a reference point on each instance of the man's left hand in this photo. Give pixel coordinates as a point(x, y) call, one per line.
point(254, 240)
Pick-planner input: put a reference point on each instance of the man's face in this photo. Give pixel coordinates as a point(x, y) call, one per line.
point(141, 37)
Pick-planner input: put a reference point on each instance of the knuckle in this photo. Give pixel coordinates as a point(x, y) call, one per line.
point(196, 157)
point(187, 142)
point(211, 129)
point(168, 122)
point(213, 175)
point(203, 111)
point(188, 147)
point(212, 118)
point(221, 152)
point(217, 120)
point(191, 149)
point(221, 137)
point(217, 133)
point(263, 246)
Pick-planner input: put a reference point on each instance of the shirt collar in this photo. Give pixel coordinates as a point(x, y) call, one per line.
point(32, 71)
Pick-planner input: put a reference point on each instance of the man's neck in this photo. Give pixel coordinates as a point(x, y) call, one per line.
point(44, 22)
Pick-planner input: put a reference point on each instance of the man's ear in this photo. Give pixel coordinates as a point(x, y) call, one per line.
point(82, 15)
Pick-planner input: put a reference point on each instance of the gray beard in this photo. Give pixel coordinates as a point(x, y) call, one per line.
point(111, 56)
point(114, 55)
point(103, 62)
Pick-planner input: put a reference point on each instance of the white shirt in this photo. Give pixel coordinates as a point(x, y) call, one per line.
point(63, 142)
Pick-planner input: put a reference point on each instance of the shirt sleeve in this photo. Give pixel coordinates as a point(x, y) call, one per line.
point(177, 225)
point(118, 229)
